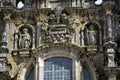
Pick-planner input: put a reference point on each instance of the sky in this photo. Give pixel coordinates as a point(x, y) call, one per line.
point(20, 4)
point(98, 2)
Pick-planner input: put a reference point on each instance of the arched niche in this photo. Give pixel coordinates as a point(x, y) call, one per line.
point(91, 34)
point(20, 33)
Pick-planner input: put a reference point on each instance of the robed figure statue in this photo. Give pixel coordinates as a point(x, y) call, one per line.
point(92, 35)
point(25, 39)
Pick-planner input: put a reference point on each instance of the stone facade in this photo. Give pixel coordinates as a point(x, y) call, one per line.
point(79, 30)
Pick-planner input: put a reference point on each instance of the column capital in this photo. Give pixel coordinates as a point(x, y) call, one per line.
point(110, 44)
point(7, 13)
point(111, 72)
point(108, 6)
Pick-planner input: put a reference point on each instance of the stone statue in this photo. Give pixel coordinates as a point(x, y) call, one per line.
point(25, 39)
point(16, 37)
point(82, 37)
point(52, 19)
point(64, 18)
point(45, 25)
point(92, 35)
point(75, 25)
point(4, 37)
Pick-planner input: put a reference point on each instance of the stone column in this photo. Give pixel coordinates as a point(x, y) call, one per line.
point(70, 3)
point(39, 38)
point(100, 37)
point(82, 38)
point(109, 25)
point(4, 42)
point(36, 70)
point(42, 4)
point(47, 4)
point(76, 33)
point(7, 26)
point(33, 42)
point(39, 73)
point(110, 44)
point(7, 13)
point(78, 70)
point(74, 3)
point(78, 3)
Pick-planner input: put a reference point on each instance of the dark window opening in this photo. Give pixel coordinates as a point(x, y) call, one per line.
point(31, 75)
point(86, 74)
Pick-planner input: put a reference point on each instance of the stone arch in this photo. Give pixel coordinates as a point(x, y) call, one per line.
point(91, 68)
point(68, 51)
point(28, 26)
point(98, 26)
point(32, 32)
point(25, 69)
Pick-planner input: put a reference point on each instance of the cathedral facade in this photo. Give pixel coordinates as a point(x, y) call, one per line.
point(59, 40)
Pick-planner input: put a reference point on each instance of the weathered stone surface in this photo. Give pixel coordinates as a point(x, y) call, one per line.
point(80, 30)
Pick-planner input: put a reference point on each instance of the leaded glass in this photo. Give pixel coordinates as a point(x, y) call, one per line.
point(58, 69)
point(86, 74)
point(31, 75)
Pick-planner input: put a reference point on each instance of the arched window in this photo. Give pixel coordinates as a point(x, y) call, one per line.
point(58, 69)
point(31, 75)
point(86, 74)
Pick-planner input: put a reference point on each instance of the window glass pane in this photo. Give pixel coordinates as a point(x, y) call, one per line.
point(31, 75)
point(58, 69)
point(86, 74)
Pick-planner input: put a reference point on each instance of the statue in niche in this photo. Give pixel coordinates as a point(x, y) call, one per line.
point(64, 18)
point(75, 24)
point(16, 37)
point(44, 25)
point(82, 37)
point(4, 37)
point(25, 39)
point(92, 35)
point(52, 19)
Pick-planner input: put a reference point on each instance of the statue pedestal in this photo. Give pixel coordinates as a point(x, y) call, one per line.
point(3, 62)
point(91, 48)
point(24, 52)
point(111, 62)
point(111, 72)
